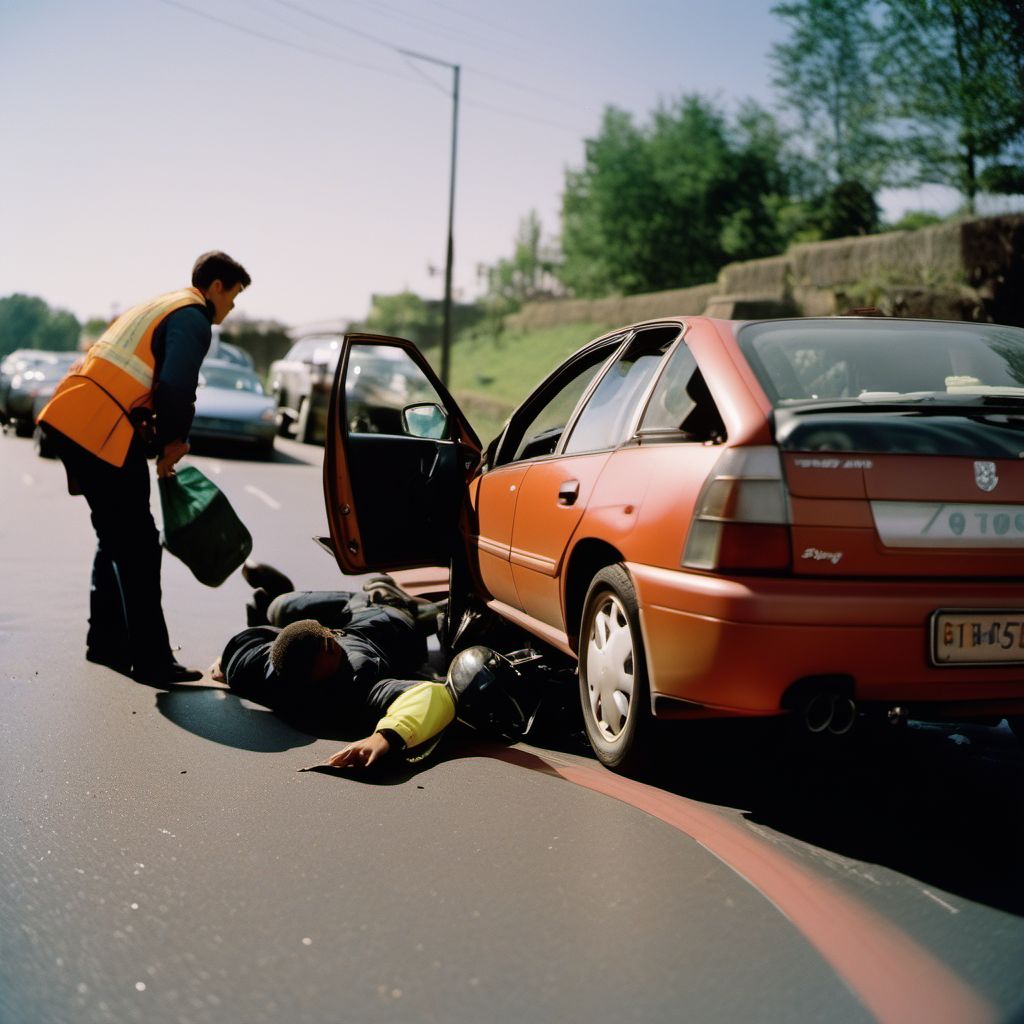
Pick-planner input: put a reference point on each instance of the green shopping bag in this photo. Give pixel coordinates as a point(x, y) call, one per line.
point(200, 526)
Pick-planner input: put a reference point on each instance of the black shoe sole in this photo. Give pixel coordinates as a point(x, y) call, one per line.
point(274, 582)
point(162, 676)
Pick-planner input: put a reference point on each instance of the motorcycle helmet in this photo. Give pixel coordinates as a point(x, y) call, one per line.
point(488, 692)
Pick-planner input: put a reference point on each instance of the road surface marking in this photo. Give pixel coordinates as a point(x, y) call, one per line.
point(886, 970)
point(263, 496)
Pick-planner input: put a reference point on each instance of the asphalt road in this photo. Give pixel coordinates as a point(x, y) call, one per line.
point(162, 859)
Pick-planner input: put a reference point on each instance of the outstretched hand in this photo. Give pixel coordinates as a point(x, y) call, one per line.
point(361, 753)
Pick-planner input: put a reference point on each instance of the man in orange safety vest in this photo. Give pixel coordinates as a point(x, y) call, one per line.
point(132, 398)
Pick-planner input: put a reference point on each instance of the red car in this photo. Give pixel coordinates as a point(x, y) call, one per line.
point(817, 516)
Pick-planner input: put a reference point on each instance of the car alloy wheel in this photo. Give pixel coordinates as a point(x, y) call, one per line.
point(613, 674)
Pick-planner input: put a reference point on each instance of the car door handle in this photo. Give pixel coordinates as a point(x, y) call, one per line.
point(569, 492)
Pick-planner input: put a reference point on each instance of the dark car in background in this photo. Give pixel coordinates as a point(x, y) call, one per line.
point(12, 376)
point(232, 406)
point(35, 376)
point(301, 385)
point(12, 364)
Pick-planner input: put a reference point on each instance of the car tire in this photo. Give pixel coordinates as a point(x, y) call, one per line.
point(23, 428)
point(284, 421)
point(614, 690)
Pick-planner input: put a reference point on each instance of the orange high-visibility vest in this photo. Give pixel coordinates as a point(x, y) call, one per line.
point(92, 403)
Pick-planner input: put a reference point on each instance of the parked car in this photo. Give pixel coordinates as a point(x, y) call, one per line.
point(821, 517)
point(11, 364)
point(231, 405)
point(301, 382)
point(229, 353)
point(14, 365)
point(35, 375)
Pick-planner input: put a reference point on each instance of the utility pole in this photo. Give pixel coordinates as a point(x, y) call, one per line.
point(446, 328)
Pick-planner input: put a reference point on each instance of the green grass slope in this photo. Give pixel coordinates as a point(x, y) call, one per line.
point(491, 375)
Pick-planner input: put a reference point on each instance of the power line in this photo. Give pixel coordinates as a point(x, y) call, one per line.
point(334, 57)
point(326, 55)
point(427, 22)
point(378, 40)
point(504, 29)
point(337, 24)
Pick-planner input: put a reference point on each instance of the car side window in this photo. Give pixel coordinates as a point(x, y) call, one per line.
point(380, 382)
point(608, 414)
point(681, 402)
point(537, 427)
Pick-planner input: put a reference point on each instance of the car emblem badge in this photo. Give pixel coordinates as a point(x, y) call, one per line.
point(985, 475)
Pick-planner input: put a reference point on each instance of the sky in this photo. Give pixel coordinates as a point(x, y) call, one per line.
point(295, 136)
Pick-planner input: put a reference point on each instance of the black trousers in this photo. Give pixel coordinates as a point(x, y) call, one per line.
point(126, 617)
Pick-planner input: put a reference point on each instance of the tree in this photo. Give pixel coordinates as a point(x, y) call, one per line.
point(28, 322)
point(528, 273)
point(407, 315)
point(609, 211)
point(848, 209)
point(666, 204)
point(766, 175)
point(825, 71)
point(956, 81)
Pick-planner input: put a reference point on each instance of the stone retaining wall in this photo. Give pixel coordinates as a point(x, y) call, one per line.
point(962, 270)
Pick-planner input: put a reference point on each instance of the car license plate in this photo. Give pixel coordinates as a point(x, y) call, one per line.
point(926, 524)
point(978, 637)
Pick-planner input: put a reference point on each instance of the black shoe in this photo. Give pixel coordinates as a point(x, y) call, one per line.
point(256, 608)
point(109, 658)
point(170, 672)
point(261, 576)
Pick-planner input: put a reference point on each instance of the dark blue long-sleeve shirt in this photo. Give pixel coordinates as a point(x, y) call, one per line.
point(180, 345)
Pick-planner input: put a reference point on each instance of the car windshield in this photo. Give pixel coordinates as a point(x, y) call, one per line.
point(49, 365)
point(233, 378)
point(881, 361)
point(317, 350)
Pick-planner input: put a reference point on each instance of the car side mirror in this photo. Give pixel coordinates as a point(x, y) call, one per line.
point(425, 419)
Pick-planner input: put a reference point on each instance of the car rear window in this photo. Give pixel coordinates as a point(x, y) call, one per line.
point(883, 360)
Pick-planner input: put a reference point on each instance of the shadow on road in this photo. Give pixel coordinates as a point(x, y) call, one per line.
point(221, 717)
point(942, 804)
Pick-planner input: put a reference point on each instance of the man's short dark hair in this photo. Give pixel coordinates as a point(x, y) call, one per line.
point(296, 649)
point(219, 266)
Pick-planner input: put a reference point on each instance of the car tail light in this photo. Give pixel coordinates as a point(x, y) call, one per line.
point(741, 519)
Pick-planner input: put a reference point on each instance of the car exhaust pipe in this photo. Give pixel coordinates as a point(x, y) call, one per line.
point(818, 712)
point(832, 711)
point(844, 714)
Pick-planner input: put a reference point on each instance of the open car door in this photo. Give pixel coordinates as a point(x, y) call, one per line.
point(398, 459)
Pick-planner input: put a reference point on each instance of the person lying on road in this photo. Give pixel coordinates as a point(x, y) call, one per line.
point(349, 656)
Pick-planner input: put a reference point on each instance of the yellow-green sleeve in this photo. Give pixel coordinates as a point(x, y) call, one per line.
point(419, 714)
